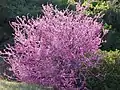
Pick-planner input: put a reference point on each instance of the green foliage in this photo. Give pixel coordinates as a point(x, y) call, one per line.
point(112, 41)
point(112, 17)
point(95, 7)
point(112, 57)
point(109, 72)
point(33, 7)
point(23, 7)
point(108, 27)
point(63, 4)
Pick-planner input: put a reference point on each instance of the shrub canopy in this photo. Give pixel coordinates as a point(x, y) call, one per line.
point(55, 48)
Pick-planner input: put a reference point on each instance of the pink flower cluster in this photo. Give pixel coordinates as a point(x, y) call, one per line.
point(53, 49)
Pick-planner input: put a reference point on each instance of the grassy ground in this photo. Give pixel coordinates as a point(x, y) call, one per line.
point(6, 85)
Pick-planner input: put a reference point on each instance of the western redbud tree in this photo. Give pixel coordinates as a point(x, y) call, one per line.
point(55, 49)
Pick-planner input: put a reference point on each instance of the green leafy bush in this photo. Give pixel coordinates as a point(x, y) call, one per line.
point(112, 17)
point(95, 7)
point(109, 72)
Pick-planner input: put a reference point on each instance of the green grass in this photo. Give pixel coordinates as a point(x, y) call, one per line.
point(6, 85)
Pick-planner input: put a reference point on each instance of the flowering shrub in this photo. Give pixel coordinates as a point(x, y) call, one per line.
point(54, 49)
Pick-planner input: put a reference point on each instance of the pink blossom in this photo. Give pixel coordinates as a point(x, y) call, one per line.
point(51, 49)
